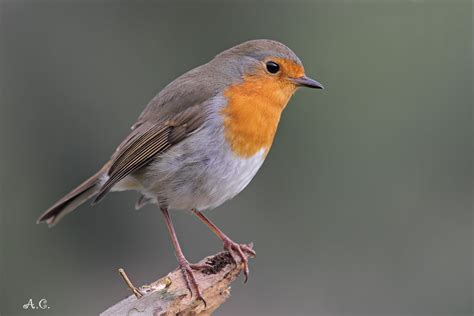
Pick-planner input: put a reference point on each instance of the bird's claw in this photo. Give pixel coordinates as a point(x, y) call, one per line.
point(238, 251)
point(191, 283)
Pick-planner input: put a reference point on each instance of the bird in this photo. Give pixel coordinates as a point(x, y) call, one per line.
point(200, 141)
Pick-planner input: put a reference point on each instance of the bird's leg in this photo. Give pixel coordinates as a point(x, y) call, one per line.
point(229, 245)
point(185, 266)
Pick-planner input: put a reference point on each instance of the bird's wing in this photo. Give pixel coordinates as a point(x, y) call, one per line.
point(148, 140)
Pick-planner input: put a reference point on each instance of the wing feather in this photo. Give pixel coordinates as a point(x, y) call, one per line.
point(147, 141)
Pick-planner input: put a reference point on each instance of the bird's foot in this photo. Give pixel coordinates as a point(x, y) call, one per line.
point(199, 266)
point(239, 251)
point(191, 283)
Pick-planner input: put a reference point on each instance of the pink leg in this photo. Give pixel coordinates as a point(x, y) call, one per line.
point(185, 266)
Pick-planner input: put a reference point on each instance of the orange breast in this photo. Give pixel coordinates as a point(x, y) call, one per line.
point(252, 113)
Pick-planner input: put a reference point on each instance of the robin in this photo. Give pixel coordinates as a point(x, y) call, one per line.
point(201, 140)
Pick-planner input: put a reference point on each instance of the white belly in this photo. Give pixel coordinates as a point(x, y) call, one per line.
point(200, 172)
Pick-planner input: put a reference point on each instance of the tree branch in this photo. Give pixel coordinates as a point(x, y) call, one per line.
point(170, 295)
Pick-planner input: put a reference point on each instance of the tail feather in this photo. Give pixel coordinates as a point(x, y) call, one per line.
point(72, 200)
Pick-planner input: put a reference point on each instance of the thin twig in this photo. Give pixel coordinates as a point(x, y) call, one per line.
point(132, 287)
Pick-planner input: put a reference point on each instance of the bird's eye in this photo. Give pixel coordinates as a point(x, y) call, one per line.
point(272, 67)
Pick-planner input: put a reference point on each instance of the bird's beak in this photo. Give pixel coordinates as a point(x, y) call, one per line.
point(307, 82)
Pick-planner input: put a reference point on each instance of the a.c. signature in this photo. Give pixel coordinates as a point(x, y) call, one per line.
point(40, 304)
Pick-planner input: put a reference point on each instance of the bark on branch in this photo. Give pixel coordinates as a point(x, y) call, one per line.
point(170, 296)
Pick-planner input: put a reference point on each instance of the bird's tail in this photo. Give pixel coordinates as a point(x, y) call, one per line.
point(73, 199)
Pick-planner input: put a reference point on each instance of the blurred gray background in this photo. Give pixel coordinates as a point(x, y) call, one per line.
point(363, 207)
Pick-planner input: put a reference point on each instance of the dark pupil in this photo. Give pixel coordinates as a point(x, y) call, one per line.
point(272, 67)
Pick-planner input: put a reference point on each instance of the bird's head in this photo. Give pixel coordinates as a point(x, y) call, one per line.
point(268, 64)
